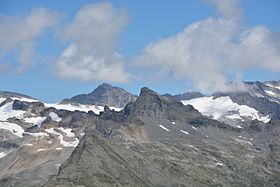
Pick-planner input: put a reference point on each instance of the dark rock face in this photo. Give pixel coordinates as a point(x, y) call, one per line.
point(34, 107)
point(104, 94)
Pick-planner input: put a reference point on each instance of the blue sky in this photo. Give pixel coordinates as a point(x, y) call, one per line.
point(147, 34)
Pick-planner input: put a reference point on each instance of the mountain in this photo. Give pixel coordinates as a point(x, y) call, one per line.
point(154, 140)
point(256, 101)
point(157, 141)
point(105, 94)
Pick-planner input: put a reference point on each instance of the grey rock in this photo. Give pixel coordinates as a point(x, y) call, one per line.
point(104, 94)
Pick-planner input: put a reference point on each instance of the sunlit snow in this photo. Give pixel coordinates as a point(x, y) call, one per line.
point(223, 107)
point(60, 136)
point(55, 117)
point(2, 154)
point(35, 120)
point(84, 108)
point(12, 127)
point(6, 112)
point(185, 132)
point(163, 127)
point(269, 92)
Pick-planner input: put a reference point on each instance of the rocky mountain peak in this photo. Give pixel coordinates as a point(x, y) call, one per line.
point(105, 94)
point(147, 91)
point(105, 87)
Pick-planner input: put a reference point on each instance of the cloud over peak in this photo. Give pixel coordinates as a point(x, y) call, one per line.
point(208, 51)
point(92, 54)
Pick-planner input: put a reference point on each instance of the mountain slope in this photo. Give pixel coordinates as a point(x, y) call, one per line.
point(104, 94)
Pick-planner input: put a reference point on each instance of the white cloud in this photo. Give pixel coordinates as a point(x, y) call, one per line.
point(92, 54)
point(21, 32)
point(206, 51)
point(230, 9)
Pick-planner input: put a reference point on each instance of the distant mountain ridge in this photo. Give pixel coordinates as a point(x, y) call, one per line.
point(13, 94)
point(154, 140)
point(105, 94)
point(185, 96)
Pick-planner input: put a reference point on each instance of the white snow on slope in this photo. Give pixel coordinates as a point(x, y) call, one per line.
point(269, 92)
point(35, 120)
point(194, 128)
point(277, 87)
point(55, 117)
point(12, 127)
point(60, 136)
point(84, 108)
point(163, 127)
point(185, 132)
point(38, 134)
point(2, 99)
point(222, 106)
point(2, 154)
point(39, 150)
point(24, 99)
point(68, 132)
point(7, 112)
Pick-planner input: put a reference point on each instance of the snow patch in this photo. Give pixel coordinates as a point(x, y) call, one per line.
point(2, 154)
point(6, 112)
point(28, 144)
point(194, 128)
point(164, 128)
point(55, 117)
point(39, 150)
point(84, 108)
point(24, 99)
point(62, 142)
point(219, 164)
point(37, 121)
point(12, 127)
point(2, 99)
point(270, 92)
point(244, 142)
point(38, 134)
point(223, 107)
point(173, 122)
point(59, 148)
point(185, 132)
point(67, 131)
